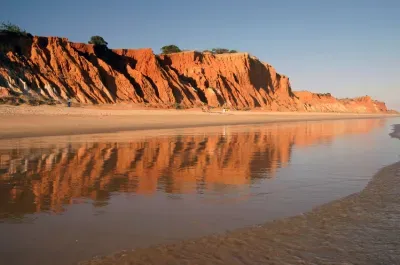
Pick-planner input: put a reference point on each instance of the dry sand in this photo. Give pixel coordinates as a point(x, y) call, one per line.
point(29, 121)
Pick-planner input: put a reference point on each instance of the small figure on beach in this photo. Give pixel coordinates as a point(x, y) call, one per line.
point(206, 108)
point(69, 103)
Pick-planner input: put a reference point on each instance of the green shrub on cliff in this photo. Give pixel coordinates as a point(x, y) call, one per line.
point(98, 41)
point(222, 51)
point(12, 28)
point(219, 50)
point(170, 49)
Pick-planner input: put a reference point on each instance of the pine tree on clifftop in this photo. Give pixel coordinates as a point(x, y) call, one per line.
point(170, 49)
point(98, 41)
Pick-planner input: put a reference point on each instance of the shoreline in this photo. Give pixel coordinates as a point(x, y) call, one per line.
point(343, 231)
point(28, 121)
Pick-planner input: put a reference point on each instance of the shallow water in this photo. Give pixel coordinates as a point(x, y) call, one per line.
point(69, 198)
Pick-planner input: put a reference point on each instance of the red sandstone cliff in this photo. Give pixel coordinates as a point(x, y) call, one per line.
point(52, 68)
point(328, 103)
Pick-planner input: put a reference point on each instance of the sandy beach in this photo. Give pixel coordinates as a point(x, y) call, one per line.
point(358, 229)
point(30, 121)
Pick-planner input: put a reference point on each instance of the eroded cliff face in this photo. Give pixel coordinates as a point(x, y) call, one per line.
point(237, 80)
point(52, 68)
point(328, 103)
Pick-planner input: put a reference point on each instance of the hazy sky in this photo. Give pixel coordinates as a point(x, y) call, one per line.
point(346, 47)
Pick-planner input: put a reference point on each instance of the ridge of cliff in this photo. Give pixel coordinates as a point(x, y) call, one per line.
point(53, 69)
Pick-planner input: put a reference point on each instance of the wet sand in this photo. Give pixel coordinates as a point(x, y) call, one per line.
point(29, 121)
point(125, 202)
point(359, 229)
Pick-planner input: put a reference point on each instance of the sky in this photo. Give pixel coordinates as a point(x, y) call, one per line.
point(346, 47)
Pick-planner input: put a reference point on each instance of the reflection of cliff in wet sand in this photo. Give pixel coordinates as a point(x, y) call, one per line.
point(47, 178)
point(360, 229)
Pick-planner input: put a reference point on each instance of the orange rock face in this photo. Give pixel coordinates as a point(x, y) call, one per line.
point(54, 68)
point(4, 92)
point(328, 103)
